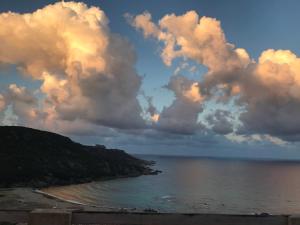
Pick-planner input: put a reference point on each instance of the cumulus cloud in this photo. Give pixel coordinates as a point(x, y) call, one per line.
point(182, 115)
point(198, 39)
point(88, 77)
point(188, 35)
point(266, 91)
point(87, 72)
point(24, 104)
point(270, 93)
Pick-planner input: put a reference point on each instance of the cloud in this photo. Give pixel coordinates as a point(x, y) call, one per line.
point(270, 94)
point(2, 103)
point(255, 138)
point(144, 22)
point(201, 39)
point(151, 110)
point(198, 39)
point(182, 115)
point(89, 84)
point(266, 91)
point(24, 104)
point(87, 72)
point(182, 66)
point(2, 108)
point(221, 122)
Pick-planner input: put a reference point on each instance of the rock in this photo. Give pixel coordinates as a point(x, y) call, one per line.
point(150, 210)
point(155, 172)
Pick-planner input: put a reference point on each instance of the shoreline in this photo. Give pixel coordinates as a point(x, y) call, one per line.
point(26, 198)
point(47, 195)
point(85, 205)
point(30, 199)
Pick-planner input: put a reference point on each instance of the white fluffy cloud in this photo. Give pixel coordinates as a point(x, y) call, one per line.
point(87, 72)
point(270, 94)
point(88, 77)
point(201, 39)
point(267, 91)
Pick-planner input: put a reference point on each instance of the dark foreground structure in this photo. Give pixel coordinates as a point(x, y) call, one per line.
point(61, 217)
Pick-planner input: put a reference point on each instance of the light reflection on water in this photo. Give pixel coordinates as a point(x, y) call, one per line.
point(199, 185)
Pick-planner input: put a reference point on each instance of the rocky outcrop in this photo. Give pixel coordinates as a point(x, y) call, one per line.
point(30, 157)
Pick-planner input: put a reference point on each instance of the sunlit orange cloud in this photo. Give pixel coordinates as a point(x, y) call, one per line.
point(155, 117)
point(2, 103)
point(194, 93)
point(188, 35)
point(267, 90)
point(87, 72)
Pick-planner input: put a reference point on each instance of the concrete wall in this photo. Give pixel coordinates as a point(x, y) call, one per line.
point(62, 217)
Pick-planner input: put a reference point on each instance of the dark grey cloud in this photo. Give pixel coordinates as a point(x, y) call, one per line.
point(220, 122)
point(182, 115)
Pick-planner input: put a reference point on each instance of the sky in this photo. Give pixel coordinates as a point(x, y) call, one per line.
point(206, 77)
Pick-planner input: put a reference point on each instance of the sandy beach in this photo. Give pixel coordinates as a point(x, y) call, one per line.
point(28, 199)
point(25, 198)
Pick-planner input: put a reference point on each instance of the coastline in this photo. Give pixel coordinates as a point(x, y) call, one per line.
point(24, 198)
point(30, 199)
point(62, 161)
point(27, 199)
point(75, 203)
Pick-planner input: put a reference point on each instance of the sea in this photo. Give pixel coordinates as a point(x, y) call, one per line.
point(197, 185)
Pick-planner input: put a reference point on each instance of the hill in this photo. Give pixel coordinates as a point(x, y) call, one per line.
point(30, 157)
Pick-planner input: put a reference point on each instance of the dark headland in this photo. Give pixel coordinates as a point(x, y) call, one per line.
point(34, 158)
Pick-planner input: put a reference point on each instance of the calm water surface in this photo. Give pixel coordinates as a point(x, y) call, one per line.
point(199, 185)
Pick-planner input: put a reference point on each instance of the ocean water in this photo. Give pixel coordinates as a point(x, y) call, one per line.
point(198, 185)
